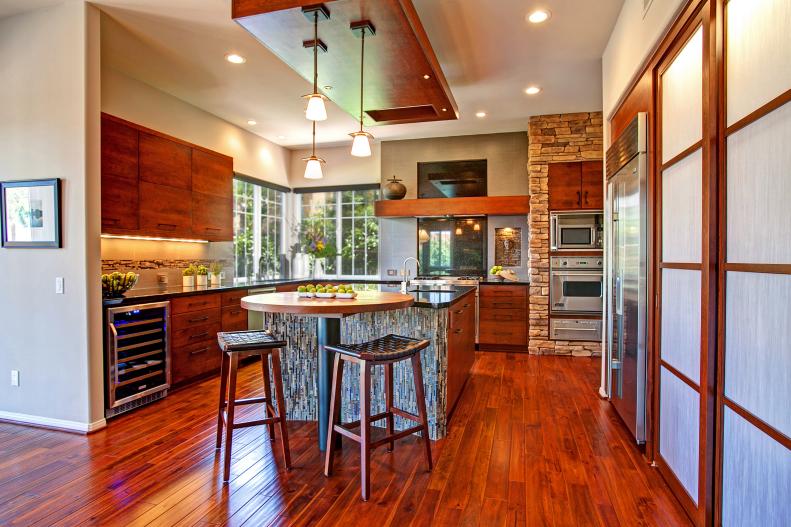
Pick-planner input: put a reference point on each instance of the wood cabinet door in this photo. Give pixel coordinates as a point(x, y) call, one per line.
point(165, 211)
point(120, 187)
point(592, 185)
point(212, 217)
point(565, 189)
point(212, 174)
point(120, 202)
point(165, 162)
point(119, 149)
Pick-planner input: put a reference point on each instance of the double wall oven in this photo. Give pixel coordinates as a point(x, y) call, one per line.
point(576, 287)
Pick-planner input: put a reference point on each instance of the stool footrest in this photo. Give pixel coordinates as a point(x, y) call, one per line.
point(405, 414)
point(397, 435)
point(251, 400)
point(346, 432)
point(257, 422)
point(355, 424)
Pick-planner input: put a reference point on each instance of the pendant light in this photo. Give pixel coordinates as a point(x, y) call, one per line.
point(313, 166)
point(315, 110)
point(361, 140)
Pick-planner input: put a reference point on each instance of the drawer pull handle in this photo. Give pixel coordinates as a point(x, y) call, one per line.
point(111, 220)
point(199, 319)
point(198, 352)
point(199, 336)
point(459, 312)
point(168, 226)
point(506, 304)
point(198, 303)
point(235, 312)
point(213, 229)
point(458, 330)
point(466, 305)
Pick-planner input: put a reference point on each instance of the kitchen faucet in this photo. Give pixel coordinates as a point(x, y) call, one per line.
point(405, 273)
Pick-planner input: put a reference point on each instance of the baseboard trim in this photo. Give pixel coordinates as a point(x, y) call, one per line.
point(49, 422)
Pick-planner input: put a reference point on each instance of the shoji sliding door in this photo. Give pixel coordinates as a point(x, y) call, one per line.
point(684, 279)
point(754, 388)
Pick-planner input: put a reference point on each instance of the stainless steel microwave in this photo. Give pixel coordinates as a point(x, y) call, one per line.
point(574, 231)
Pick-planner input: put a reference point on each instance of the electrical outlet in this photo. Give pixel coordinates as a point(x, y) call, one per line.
point(392, 272)
point(14, 377)
point(58, 285)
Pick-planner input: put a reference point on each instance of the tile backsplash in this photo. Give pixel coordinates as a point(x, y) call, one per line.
point(150, 259)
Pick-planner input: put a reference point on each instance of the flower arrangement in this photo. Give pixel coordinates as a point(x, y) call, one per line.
point(315, 244)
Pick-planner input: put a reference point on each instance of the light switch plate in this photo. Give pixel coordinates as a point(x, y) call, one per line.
point(58, 285)
point(14, 377)
point(392, 272)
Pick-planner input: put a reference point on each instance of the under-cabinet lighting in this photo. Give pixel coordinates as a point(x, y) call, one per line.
point(152, 238)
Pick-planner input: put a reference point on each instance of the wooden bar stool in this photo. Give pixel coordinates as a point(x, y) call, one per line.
point(386, 351)
point(243, 343)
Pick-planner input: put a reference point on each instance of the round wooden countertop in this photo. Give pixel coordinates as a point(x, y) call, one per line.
point(290, 302)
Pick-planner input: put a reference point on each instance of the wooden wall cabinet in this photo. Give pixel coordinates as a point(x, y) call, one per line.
point(574, 186)
point(503, 317)
point(120, 186)
point(461, 348)
point(155, 185)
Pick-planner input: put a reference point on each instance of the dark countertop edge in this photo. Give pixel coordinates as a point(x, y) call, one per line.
point(504, 282)
point(153, 294)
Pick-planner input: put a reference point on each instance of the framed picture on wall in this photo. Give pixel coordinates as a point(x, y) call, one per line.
point(30, 213)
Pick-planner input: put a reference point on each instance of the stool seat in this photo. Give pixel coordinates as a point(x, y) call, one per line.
point(253, 340)
point(387, 348)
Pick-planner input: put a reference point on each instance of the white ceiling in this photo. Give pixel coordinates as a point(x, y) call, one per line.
point(489, 54)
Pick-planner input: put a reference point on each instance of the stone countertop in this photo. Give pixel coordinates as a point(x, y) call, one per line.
point(433, 300)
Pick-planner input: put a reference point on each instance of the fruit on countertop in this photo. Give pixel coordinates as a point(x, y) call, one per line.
point(496, 269)
point(116, 284)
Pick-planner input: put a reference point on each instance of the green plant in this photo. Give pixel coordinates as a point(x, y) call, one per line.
point(215, 268)
point(202, 270)
point(191, 270)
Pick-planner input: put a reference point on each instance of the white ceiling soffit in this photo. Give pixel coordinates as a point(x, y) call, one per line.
point(488, 51)
point(15, 7)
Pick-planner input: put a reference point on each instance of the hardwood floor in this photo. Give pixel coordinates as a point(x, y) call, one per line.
point(530, 444)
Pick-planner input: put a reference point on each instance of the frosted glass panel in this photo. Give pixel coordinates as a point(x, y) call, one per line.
point(681, 321)
point(682, 93)
point(679, 422)
point(758, 54)
point(756, 475)
point(758, 346)
point(681, 210)
point(759, 190)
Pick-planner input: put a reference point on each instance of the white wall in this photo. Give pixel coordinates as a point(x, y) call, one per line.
point(635, 34)
point(143, 104)
point(49, 120)
point(341, 169)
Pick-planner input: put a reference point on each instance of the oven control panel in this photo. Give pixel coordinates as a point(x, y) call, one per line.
point(577, 262)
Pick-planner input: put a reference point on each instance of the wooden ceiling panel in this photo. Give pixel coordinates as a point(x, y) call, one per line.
point(396, 59)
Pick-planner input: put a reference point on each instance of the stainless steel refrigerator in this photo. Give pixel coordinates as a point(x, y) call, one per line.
point(626, 220)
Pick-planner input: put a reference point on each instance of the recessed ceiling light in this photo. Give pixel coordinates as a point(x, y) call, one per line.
point(532, 90)
point(233, 58)
point(427, 76)
point(444, 109)
point(327, 87)
point(251, 122)
point(538, 16)
point(480, 114)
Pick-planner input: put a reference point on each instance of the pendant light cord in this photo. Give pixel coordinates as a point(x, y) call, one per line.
point(316, 52)
point(362, 70)
point(314, 138)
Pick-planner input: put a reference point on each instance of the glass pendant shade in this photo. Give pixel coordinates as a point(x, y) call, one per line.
point(316, 110)
point(313, 168)
point(361, 145)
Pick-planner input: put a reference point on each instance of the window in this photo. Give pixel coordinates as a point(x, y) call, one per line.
point(345, 222)
point(258, 230)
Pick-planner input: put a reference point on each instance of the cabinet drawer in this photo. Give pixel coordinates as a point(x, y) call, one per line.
point(194, 360)
point(503, 303)
point(234, 318)
point(502, 333)
point(460, 313)
point(233, 298)
point(500, 291)
point(508, 316)
point(196, 334)
point(196, 318)
point(194, 303)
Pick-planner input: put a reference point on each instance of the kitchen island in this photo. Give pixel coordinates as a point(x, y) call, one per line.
point(446, 319)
